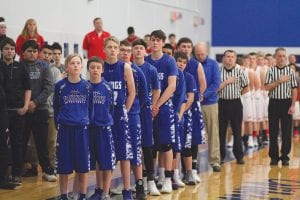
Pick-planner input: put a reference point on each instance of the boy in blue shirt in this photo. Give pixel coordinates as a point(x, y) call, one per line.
point(196, 70)
point(101, 144)
point(186, 132)
point(134, 117)
point(73, 110)
point(119, 74)
point(163, 111)
point(153, 90)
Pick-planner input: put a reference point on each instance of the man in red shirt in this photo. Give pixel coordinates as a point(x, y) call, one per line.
point(131, 35)
point(93, 42)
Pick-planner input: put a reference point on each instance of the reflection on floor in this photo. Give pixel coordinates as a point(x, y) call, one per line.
point(254, 180)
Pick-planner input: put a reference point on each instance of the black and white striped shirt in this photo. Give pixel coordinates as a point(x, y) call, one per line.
point(233, 90)
point(283, 90)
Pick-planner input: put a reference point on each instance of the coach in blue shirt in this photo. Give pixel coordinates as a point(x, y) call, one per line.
point(210, 104)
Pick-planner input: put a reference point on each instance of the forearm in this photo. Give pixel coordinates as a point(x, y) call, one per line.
point(190, 100)
point(155, 96)
point(129, 101)
point(222, 85)
point(272, 86)
point(166, 95)
point(27, 97)
point(182, 109)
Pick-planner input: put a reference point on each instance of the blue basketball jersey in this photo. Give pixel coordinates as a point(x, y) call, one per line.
point(114, 74)
point(180, 92)
point(140, 89)
point(189, 82)
point(151, 76)
point(103, 103)
point(192, 68)
point(73, 103)
point(166, 66)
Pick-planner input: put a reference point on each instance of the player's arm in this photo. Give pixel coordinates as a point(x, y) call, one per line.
point(190, 100)
point(168, 91)
point(181, 111)
point(202, 79)
point(128, 76)
point(155, 86)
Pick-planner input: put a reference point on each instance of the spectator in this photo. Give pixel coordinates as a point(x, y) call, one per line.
point(17, 90)
point(93, 42)
point(131, 35)
point(36, 120)
point(29, 32)
point(210, 104)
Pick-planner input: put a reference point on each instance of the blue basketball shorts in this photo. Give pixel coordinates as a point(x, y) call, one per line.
point(72, 149)
point(186, 134)
point(164, 125)
point(102, 148)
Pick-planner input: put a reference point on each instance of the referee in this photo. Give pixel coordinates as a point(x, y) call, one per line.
point(282, 86)
point(234, 83)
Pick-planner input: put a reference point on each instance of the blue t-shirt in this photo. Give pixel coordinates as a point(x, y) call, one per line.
point(192, 68)
point(180, 93)
point(166, 66)
point(73, 103)
point(151, 76)
point(103, 99)
point(114, 74)
point(140, 89)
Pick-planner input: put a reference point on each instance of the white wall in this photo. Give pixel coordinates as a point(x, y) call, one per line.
point(69, 20)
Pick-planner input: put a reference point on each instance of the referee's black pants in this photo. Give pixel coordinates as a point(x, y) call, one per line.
point(231, 111)
point(278, 112)
point(3, 144)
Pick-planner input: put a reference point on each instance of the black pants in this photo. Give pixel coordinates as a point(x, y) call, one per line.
point(231, 111)
point(3, 143)
point(16, 130)
point(278, 112)
point(37, 124)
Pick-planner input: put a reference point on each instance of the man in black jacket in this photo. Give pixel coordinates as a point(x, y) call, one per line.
point(18, 93)
point(4, 184)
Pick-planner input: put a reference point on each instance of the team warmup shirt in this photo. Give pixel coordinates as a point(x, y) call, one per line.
point(94, 44)
point(73, 103)
point(151, 76)
point(103, 104)
point(140, 89)
point(166, 66)
point(114, 74)
point(180, 93)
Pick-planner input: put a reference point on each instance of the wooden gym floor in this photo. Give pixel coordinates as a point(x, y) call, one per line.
point(254, 180)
